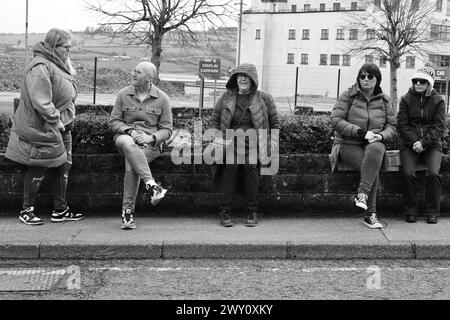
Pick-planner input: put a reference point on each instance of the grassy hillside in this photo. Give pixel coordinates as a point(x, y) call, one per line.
point(115, 59)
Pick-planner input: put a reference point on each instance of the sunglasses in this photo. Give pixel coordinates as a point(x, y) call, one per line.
point(368, 76)
point(242, 75)
point(66, 47)
point(419, 81)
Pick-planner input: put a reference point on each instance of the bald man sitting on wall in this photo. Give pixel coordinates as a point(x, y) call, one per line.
point(141, 120)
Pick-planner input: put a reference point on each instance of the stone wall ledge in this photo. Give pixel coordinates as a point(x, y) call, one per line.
point(303, 184)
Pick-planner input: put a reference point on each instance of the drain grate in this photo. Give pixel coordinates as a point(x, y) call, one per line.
point(36, 279)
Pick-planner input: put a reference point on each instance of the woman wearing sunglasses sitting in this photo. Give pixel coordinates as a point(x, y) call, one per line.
point(421, 123)
point(363, 120)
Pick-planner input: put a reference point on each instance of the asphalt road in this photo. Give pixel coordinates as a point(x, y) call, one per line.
point(225, 279)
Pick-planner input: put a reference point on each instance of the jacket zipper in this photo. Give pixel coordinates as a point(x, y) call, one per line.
point(421, 116)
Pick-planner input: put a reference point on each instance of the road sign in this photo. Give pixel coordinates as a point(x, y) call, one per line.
point(443, 73)
point(210, 68)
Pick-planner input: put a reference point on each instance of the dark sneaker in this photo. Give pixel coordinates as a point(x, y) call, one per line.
point(128, 220)
point(27, 216)
point(252, 219)
point(158, 193)
point(432, 219)
point(66, 215)
point(372, 222)
point(225, 219)
point(361, 201)
point(410, 218)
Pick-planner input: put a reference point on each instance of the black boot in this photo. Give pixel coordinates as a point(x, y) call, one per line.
point(225, 219)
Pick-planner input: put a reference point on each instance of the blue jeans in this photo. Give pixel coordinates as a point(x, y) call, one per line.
point(35, 176)
point(432, 159)
point(136, 167)
point(367, 159)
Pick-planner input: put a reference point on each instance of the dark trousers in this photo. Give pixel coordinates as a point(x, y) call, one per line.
point(229, 181)
point(366, 159)
point(432, 159)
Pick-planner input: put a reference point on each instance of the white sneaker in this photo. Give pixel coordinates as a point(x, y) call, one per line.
point(128, 220)
point(361, 201)
point(371, 221)
point(158, 192)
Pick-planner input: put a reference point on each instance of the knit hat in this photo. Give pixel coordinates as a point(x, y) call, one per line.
point(426, 72)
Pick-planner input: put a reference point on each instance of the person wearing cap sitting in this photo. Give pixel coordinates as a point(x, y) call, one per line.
point(421, 123)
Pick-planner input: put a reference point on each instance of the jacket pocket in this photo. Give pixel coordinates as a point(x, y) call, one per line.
point(153, 110)
point(129, 108)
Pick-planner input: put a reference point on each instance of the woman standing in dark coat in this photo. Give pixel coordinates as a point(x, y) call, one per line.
point(421, 123)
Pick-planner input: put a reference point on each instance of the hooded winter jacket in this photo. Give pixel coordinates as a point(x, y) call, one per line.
point(421, 117)
point(262, 106)
point(353, 115)
point(46, 102)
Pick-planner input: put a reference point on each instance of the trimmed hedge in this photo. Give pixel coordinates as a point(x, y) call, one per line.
point(303, 133)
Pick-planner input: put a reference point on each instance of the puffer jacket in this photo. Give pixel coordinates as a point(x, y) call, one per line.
point(353, 115)
point(48, 92)
point(262, 107)
point(375, 114)
point(421, 117)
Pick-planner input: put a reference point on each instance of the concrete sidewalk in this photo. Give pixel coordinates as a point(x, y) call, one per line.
point(200, 237)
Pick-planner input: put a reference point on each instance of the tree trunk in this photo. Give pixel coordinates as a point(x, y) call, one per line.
point(156, 54)
point(393, 92)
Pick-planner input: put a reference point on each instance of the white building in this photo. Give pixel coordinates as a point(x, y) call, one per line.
point(279, 36)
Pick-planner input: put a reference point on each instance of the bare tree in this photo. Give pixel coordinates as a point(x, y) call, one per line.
point(148, 21)
point(392, 30)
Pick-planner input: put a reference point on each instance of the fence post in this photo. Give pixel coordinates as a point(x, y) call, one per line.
point(338, 83)
point(95, 78)
point(296, 87)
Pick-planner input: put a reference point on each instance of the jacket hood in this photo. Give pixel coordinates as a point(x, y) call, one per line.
point(245, 68)
point(42, 49)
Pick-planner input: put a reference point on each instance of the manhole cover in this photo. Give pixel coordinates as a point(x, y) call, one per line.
point(37, 279)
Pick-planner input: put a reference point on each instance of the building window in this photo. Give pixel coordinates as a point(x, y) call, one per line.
point(290, 58)
point(410, 62)
point(438, 5)
point(354, 6)
point(369, 58)
point(334, 60)
point(258, 34)
point(322, 7)
point(340, 34)
point(307, 7)
point(383, 60)
point(324, 34)
point(353, 34)
point(377, 3)
point(304, 58)
point(346, 60)
point(370, 34)
point(305, 34)
point(323, 59)
point(440, 61)
point(440, 87)
point(294, 8)
point(336, 6)
point(291, 34)
point(439, 31)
